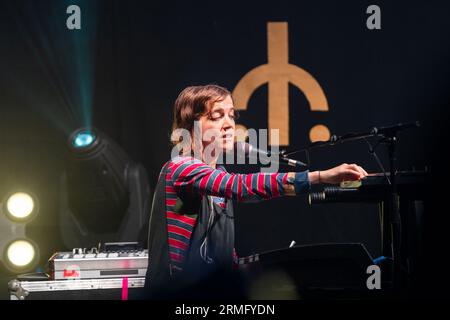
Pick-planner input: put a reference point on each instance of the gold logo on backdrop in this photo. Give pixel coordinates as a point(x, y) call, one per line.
point(278, 73)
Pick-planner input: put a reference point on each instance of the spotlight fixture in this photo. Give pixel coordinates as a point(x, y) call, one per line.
point(20, 206)
point(83, 138)
point(21, 255)
point(108, 194)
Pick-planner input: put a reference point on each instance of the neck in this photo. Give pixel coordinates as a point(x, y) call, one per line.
point(212, 162)
point(210, 159)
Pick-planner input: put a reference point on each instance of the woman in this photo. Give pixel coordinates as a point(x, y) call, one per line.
point(191, 225)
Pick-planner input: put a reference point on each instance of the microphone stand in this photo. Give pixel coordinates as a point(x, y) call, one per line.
point(392, 219)
point(393, 211)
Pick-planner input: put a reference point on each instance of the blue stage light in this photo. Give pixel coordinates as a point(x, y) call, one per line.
point(83, 139)
point(103, 184)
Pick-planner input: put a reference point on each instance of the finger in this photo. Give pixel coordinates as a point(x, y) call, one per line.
point(362, 171)
point(354, 166)
point(352, 174)
point(365, 172)
point(351, 177)
point(359, 169)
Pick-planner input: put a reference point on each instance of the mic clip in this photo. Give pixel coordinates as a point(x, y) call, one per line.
point(291, 162)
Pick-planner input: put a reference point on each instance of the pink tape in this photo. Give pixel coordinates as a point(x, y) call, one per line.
point(124, 288)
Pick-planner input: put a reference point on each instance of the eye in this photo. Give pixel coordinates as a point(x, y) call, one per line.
point(234, 115)
point(215, 116)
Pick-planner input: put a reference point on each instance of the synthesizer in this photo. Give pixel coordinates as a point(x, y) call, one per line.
point(117, 260)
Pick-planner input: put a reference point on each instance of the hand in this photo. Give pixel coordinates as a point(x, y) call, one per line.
point(344, 172)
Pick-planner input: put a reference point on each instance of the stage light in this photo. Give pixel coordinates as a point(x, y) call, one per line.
point(83, 138)
point(97, 186)
point(21, 255)
point(108, 194)
point(20, 206)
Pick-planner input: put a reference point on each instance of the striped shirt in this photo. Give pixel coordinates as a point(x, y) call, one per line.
point(189, 178)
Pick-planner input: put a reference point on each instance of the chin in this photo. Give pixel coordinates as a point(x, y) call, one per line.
point(228, 146)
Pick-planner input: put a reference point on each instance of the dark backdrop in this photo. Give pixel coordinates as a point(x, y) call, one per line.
point(124, 69)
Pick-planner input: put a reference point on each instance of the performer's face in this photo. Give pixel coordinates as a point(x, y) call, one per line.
point(218, 125)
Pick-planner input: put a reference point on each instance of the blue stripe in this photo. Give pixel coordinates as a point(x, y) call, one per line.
point(280, 183)
point(175, 223)
point(235, 187)
point(178, 170)
point(223, 184)
point(267, 184)
point(244, 187)
point(179, 251)
point(171, 195)
point(179, 224)
point(212, 177)
point(198, 176)
point(221, 168)
point(179, 237)
point(255, 183)
point(196, 173)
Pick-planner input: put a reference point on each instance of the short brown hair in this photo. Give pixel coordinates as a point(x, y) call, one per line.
point(194, 102)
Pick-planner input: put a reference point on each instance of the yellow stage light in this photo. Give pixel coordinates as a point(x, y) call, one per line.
point(21, 254)
point(21, 206)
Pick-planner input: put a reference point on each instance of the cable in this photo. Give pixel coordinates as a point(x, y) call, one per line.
point(204, 245)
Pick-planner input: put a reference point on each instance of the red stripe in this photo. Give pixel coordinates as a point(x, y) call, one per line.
point(274, 185)
point(239, 188)
point(188, 220)
point(182, 179)
point(182, 161)
point(170, 189)
point(171, 202)
point(176, 257)
point(180, 176)
point(169, 171)
point(285, 178)
point(217, 182)
point(261, 183)
point(178, 230)
point(199, 175)
point(185, 172)
point(228, 187)
point(203, 183)
point(178, 244)
point(248, 183)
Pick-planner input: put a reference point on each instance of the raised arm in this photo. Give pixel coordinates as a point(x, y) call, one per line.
point(192, 175)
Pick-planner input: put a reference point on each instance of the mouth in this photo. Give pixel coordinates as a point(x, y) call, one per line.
point(228, 136)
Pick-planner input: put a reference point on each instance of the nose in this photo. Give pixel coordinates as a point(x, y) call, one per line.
point(228, 123)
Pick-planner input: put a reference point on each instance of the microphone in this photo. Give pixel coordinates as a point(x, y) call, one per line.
point(392, 130)
point(248, 150)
